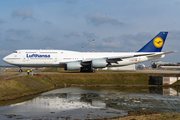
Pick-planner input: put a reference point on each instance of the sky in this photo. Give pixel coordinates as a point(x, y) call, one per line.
point(116, 25)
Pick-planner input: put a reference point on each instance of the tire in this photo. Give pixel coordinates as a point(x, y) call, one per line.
point(20, 70)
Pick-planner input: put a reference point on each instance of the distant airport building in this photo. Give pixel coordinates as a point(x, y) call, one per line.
point(141, 67)
point(165, 65)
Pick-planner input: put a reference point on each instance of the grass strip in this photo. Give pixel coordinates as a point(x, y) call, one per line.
point(23, 86)
point(8, 75)
point(96, 78)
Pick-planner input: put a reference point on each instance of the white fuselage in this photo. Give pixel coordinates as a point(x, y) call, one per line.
point(57, 58)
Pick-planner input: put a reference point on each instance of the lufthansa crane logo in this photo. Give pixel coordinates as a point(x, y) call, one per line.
point(158, 42)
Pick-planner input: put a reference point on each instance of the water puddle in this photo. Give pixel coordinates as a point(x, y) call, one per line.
point(93, 103)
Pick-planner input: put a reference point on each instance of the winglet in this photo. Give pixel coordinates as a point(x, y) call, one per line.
point(156, 44)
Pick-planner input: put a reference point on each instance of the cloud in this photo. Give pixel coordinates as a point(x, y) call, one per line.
point(174, 34)
point(18, 32)
point(13, 39)
point(22, 13)
point(172, 38)
point(2, 21)
point(137, 39)
point(48, 39)
point(98, 19)
point(111, 44)
point(49, 48)
point(4, 52)
point(47, 22)
point(109, 39)
point(89, 35)
point(72, 34)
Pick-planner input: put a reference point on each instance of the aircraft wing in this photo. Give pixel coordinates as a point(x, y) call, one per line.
point(119, 58)
point(116, 58)
point(138, 55)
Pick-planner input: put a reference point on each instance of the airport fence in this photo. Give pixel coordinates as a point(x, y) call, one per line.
point(2, 70)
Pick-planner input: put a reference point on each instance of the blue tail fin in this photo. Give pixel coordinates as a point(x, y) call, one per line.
point(156, 44)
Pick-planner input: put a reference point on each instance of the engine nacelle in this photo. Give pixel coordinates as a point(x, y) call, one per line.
point(99, 63)
point(72, 66)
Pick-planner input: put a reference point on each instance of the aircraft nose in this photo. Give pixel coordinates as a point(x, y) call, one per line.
point(4, 59)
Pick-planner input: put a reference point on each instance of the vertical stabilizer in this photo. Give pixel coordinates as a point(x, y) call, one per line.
point(156, 44)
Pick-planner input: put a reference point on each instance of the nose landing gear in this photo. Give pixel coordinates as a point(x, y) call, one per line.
point(20, 70)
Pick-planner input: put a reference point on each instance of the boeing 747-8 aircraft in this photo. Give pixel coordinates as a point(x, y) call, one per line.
point(87, 62)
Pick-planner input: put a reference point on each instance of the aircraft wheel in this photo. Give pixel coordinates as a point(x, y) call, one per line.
point(81, 70)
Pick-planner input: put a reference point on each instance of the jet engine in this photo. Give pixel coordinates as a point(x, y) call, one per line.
point(73, 66)
point(99, 63)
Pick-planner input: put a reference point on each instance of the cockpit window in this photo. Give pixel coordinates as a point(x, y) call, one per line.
point(15, 51)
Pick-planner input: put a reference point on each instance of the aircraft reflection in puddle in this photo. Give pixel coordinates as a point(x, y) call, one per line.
point(95, 102)
point(57, 104)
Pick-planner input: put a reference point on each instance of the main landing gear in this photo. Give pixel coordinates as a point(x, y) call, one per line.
point(87, 69)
